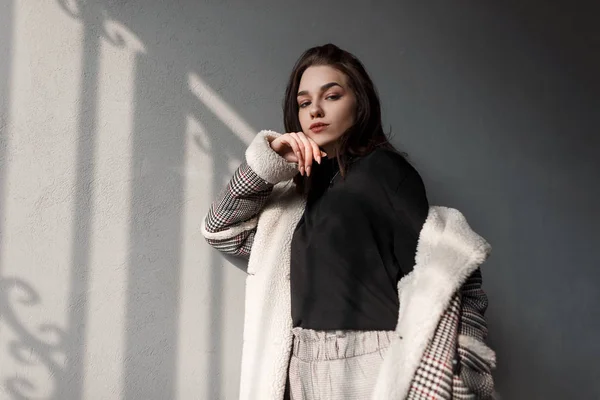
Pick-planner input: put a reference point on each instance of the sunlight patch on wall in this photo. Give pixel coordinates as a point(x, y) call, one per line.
point(194, 300)
point(112, 194)
point(203, 296)
point(213, 101)
point(39, 178)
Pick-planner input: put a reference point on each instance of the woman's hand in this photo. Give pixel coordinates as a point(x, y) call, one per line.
point(299, 148)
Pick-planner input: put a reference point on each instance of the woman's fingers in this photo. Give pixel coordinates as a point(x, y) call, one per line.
point(295, 148)
point(302, 162)
point(316, 151)
point(305, 150)
point(311, 146)
point(308, 154)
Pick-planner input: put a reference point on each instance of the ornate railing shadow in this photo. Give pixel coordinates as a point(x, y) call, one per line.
point(45, 346)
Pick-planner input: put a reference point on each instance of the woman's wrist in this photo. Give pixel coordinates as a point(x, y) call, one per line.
point(266, 162)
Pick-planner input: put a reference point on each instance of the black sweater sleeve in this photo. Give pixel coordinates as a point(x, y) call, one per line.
point(410, 208)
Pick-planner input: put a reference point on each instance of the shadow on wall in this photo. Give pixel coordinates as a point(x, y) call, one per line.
point(165, 93)
point(29, 348)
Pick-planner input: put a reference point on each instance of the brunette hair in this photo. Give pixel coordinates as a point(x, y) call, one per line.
point(366, 134)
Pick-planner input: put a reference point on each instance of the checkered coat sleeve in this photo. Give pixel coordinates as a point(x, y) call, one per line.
point(230, 223)
point(457, 363)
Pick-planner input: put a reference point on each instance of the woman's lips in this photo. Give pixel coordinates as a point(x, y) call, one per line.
point(318, 128)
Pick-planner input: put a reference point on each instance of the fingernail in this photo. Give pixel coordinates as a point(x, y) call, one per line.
point(308, 171)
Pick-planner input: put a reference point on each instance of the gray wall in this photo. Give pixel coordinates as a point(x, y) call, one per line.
point(108, 289)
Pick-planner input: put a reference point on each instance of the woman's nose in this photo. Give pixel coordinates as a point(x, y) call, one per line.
point(316, 111)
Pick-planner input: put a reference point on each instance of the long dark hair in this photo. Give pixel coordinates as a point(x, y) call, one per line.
point(366, 134)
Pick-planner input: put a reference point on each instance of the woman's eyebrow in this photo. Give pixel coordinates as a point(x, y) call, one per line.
point(324, 87)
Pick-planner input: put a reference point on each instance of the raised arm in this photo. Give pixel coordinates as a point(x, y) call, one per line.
point(230, 224)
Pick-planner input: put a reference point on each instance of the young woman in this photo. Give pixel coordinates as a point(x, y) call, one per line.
point(357, 288)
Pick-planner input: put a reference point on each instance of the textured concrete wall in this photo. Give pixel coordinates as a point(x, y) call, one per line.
point(121, 120)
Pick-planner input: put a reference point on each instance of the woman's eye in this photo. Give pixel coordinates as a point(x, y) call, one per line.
point(331, 96)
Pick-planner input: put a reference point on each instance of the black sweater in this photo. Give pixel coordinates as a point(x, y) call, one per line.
point(356, 239)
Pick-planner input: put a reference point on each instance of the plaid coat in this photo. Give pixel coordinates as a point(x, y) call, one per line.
point(439, 351)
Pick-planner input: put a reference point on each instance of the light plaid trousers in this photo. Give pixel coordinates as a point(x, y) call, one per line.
point(335, 365)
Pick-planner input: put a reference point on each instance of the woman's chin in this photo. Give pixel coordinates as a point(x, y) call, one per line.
point(320, 140)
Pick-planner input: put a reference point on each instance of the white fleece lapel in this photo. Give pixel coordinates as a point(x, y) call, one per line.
point(448, 251)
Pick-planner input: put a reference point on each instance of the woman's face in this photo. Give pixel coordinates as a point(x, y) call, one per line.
point(325, 98)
